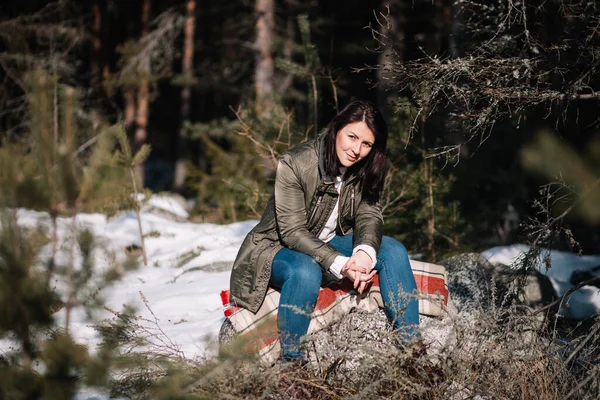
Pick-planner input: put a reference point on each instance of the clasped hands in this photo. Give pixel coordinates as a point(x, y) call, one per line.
point(358, 270)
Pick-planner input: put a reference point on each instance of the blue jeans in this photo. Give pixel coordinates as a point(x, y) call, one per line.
point(298, 277)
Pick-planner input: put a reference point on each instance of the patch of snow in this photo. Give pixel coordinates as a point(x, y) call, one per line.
point(168, 204)
point(581, 304)
point(188, 266)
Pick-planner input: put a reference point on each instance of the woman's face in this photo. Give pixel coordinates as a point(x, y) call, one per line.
point(353, 143)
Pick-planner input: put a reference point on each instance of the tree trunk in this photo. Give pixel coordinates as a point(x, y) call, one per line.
point(264, 59)
point(186, 92)
point(141, 132)
point(95, 69)
point(453, 20)
point(288, 53)
point(393, 52)
point(431, 208)
point(129, 100)
point(106, 50)
point(452, 31)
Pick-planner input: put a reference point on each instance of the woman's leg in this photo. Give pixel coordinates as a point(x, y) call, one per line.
point(298, 277)
point(396, 281)
point(398, 286)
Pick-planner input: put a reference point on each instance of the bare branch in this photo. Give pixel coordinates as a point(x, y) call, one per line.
point(153, 55)
point(510, 65)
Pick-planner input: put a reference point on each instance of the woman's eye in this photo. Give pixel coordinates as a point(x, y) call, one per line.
point(369, 145)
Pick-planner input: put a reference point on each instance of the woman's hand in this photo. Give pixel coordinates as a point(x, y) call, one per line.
point(359, 271)
point(362, 260)
point(361, 263)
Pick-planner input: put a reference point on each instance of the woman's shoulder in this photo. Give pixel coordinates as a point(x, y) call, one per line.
point(304, 152)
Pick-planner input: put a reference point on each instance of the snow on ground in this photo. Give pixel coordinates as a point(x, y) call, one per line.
point(189, 264)
point(581, 303)
point(168, 204)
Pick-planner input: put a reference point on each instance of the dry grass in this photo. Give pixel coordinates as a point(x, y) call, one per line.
point(504, 355)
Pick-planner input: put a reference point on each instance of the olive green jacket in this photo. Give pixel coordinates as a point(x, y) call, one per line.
point(295, 215)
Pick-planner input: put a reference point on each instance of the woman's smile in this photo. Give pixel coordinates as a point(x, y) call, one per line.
point(353, 143)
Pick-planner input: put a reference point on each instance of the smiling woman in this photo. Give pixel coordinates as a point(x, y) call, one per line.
point(353, 143)
point(322, 225)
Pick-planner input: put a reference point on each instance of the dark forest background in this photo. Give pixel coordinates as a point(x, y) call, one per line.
point(493, 106)
point(493, 109)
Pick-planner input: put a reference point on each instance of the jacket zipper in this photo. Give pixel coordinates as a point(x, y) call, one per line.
point(352, 203)
point(340, 209)
point(314, 211)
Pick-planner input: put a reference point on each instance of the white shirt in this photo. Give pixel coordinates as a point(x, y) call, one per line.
point(328, 233)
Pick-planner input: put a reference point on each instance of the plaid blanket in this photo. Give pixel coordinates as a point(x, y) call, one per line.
point(333, 303)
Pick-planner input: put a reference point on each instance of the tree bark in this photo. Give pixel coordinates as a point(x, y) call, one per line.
point(95, 70)
point(129, 100)
point(141, 132)
point(453, 19)
point(264, 71)
point(186, 93)
point(288, 53)
point(431, 208)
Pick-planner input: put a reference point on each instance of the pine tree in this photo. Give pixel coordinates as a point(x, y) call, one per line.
point(415, 200)
point(46, 175)
point(142, 63)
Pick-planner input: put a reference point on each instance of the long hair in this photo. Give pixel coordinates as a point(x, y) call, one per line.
point(373, 168)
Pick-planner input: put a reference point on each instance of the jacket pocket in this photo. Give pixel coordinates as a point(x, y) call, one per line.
point(260, 263)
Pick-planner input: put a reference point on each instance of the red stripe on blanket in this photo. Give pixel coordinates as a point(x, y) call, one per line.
point(328, 295)
point(225, 297)
point(270, 339)
point(326, 298)
point(261, 336)
point(429, 285)
point(425, 284)
point(230, 310)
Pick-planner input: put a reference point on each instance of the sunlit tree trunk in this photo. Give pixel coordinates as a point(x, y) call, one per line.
point(129, 102)
point(288, 52)
point(264, 59)
point(99, 68)
point(186, 93)
point(141, 132)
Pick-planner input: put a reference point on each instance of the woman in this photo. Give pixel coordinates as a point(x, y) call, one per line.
point(323, 224)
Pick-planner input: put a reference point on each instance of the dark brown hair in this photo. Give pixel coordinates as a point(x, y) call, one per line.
point(373, 168)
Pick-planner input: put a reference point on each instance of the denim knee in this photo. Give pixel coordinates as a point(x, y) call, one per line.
point(392, 247)
point(394, 263)
point(307, 274)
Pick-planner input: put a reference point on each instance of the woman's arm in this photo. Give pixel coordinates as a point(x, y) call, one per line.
point(290, 216)
point(368, 225)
